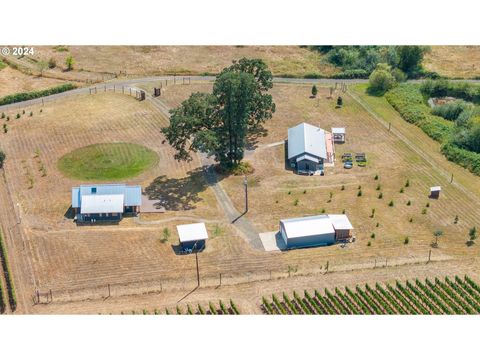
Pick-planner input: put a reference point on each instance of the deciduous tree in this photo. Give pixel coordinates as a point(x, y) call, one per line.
point(218, 123)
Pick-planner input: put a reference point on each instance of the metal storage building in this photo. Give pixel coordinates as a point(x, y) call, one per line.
point(192, 236)
point(106, 202)
point(317, 230)
point(307, 231)
point(307, 148)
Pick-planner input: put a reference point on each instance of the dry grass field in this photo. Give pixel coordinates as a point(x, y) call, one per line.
point(454, 61)
point(13, 81)
point(160, 60)
point(77, 263)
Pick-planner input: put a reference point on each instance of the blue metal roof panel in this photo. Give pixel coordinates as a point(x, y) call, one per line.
point(75, 197)
point(133, 195)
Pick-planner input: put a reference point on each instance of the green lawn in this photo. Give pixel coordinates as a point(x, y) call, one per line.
point(115, 161)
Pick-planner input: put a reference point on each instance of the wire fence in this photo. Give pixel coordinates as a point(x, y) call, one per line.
point(188, 282)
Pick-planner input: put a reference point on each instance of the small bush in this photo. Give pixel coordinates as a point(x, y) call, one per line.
point(377, 224)
point(406, 240)
point(391, 203)
point(3, 115)
point(379, 187)
point(323, 211)
point(424, 211)
point(359, 193)
point(376, 177)
point(407, 183)
point(409, 203)
point(342, 188)
point(17, 116)
point(427, 204)
point(410, 220)
point(372, 235)
point(289, 192)
point(343, 211)
point(369, 243)
point(380, 195)
point(339, 101)
point(295, 202)
point(31, 113)
point(304, 191)
point(52, 63)
point(401, 190)
point(455, 221)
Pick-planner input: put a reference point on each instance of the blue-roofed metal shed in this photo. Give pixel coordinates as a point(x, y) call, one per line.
point(105, 202)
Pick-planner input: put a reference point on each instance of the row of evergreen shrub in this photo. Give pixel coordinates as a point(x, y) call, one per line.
point(8, 275)
point(18, 97)
point(2, 300)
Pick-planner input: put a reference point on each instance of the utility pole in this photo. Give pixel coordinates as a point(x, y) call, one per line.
point(245, 183)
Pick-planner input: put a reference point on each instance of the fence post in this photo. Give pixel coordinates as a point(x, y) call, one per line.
point(51, 296)
point(429, 254)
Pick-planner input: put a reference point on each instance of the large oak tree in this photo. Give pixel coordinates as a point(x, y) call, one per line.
point(219, 123)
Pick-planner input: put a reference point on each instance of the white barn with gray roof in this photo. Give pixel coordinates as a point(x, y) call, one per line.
point(317, 230)
point(307, 148)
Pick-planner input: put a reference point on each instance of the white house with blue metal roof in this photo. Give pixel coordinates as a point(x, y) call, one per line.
point(105, 202)
point(307, 148)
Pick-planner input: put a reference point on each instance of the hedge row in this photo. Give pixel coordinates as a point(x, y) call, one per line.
point(460, 90)
point(18, 97)
point(407, 99)
point(409, 102)
point(12, 298)
point(468, 159)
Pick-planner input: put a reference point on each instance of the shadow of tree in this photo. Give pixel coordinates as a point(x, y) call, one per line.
point(177, 194)
point(253, 135)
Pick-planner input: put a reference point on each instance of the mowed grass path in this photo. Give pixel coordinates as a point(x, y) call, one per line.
point(114, 161)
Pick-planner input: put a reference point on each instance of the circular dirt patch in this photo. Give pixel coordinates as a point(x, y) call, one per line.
point(115, 161)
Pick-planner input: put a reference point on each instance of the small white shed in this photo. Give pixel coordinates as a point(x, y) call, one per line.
point(192, 236)
point(435, 192)
point(338, 134)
